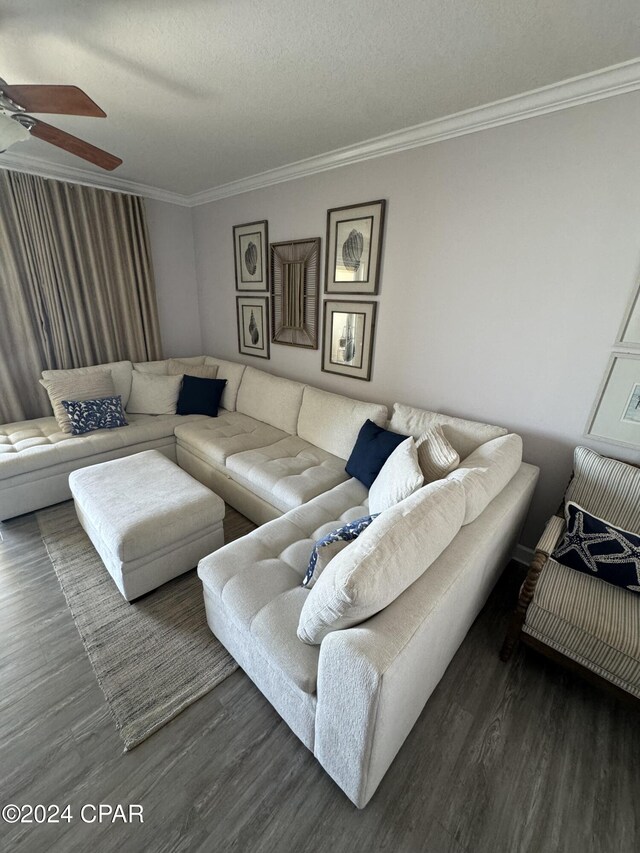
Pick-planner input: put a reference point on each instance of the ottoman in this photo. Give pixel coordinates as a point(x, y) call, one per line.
point(148, 520)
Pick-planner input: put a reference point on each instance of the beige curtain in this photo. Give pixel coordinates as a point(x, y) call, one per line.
point(76, 285)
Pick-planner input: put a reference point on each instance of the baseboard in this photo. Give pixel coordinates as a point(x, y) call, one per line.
point(522, 554)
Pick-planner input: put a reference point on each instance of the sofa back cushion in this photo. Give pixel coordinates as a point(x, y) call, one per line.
point(486, 471)
point(120, 373)
point(606, 488)
point(464, 436)
point(271, 399)
point(233, 373)
point(159, 368)
point(392, 553)
point(332, 422)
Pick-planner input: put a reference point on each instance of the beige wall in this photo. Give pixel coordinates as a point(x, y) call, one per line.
point(508, 260)
point(172, 250)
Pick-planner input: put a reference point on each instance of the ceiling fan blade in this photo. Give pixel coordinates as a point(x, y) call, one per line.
point(76, 146)
point(63, 100)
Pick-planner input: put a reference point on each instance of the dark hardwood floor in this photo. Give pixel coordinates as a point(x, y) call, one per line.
point(505, 757)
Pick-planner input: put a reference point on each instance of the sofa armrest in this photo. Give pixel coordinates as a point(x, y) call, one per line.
point(547, 543)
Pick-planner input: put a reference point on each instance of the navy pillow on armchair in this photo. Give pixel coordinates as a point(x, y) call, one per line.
point(199, 396)
point(599, 549)
point(373, 447)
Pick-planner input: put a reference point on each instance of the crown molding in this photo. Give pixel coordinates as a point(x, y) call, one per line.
point(595, 86)
point(75, 175)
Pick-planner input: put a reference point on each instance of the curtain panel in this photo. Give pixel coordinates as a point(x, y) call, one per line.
point(76, 285)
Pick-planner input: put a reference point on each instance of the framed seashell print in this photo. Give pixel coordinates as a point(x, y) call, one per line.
point(250, 246)
point(253, 325)
point(354, 248)
point(347, 341)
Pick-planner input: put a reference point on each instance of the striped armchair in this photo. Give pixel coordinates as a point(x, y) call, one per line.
point(577, 619)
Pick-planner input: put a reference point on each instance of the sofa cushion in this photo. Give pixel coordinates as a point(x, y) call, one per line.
point(120, 373)
point(213, 440)
point(384, 561)
point(182, 367)
point(464, 436)
point(400, 477)
point(271, 399)
point(97, 384)
point(160, 368)
point(606, 488)
point(153, 395)
point(89, 415)
point(199, 395)
point(436, 456)
point(599, 549)
point(593, 623)
point(332, 422)
point(232, 372)
point(288, 472)
point(486, 471)
point(374, 445)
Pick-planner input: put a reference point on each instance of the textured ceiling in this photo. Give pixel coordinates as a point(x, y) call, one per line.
point(202, 92)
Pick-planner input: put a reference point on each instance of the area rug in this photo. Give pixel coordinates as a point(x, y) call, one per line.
point(152, 658)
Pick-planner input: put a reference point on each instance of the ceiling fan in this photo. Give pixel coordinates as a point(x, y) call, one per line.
point(17, 126)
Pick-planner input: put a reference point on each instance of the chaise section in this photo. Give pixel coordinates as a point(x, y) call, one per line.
point(370, 682)
point(253, 597)
point(287, 473)
point(36, 457)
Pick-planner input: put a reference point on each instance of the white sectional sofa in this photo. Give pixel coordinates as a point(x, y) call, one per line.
point(277, 452)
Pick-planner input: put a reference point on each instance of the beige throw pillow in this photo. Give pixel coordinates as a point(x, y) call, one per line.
point(400, 477)
point(436, 456)
point(204, 371)
point(87, 386)
point(153, 395)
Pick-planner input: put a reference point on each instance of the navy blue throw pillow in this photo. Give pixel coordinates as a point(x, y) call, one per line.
point(90, 415)
point(373, 447)
point(347, 533)
point(599, 549)
point(199, 396)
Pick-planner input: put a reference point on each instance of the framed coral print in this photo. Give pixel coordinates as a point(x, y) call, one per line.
point(354, 248)
point(250, 246)
point(616, 415)
point(347, 342)
point(253, 325)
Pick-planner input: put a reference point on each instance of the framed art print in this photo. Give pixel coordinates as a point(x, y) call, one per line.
point(354, 248)
point(253, 325)
point(347, 343)
point(250, 243)
point(295, 282)
point(616, 415)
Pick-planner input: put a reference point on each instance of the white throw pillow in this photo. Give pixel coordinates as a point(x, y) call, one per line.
point(399, 477)
point(486, 471)
point(383, 561)
point(153, 395)
point(436, 456)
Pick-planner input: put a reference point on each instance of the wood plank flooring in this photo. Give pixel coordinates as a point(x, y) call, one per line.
point(505, 757)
